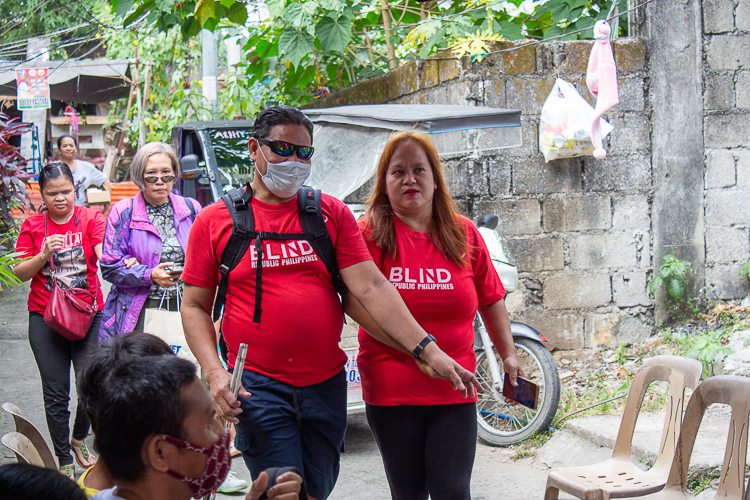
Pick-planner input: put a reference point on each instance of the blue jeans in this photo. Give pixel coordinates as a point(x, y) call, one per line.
point(281, 425)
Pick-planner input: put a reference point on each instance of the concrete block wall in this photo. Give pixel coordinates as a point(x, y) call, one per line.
point(726, 114)
point(579, 228)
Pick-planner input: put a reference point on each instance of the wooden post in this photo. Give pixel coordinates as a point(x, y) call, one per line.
point(368, 46)
point(147, 78)
point(126, 123)
point(139, 105)
point(386, 9)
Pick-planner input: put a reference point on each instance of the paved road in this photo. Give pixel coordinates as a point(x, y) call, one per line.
point(362, 476)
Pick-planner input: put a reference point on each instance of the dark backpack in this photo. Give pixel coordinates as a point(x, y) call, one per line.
point(243, 233)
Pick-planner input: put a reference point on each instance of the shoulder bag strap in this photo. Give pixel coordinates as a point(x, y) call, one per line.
point(46, 235)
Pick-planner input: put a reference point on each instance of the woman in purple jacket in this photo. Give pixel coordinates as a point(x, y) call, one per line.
point(145, 241)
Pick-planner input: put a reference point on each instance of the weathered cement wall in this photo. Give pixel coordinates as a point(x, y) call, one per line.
point(580, 229)
point(726, 126)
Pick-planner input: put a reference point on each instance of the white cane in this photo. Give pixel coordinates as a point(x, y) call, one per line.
point(234, 386)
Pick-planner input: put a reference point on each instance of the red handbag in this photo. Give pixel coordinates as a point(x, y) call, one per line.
point(70, 311)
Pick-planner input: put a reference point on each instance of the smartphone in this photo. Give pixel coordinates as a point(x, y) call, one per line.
point(174, 269)
point(527, 392)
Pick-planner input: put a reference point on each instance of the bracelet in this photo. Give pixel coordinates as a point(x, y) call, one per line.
point(418, 350)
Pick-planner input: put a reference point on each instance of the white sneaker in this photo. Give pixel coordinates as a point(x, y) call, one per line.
point(231, 484)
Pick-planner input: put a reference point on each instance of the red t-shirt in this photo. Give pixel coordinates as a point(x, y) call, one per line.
point(75, 264)
point(443, 297)
point(297, 339)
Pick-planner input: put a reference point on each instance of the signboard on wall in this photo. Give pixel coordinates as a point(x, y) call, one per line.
point(33, 89)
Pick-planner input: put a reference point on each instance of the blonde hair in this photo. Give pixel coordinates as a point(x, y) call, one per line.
point(138, 165)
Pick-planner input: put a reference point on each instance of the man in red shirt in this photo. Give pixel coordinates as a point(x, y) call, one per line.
point(294, 366)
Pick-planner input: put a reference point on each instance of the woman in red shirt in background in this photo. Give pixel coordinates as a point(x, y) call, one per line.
point(440, 265)
point(74, 244)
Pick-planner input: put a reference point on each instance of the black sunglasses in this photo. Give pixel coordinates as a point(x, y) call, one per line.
point(152, 179)
point(286, 149)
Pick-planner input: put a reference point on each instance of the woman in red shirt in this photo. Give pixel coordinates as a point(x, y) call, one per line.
point(440, 265)
point(74, 244)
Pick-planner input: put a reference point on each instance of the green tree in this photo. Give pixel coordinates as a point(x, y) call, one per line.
point(308, 44)
point(72, 26)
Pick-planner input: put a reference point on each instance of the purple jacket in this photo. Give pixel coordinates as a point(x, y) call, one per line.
point(130, 234)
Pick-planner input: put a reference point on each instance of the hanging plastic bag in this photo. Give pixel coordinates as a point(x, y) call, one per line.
point(565, 124)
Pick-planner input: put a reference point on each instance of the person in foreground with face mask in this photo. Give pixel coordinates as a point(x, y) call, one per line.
point(159, 438)
point(294, 367)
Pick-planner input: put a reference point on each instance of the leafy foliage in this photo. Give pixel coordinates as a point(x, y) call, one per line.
point(175, 93)
point(707, 347)
point(722, 321)
point(744, 270)
point(14, 184)
point(8, 260)
point(13, 195)
point(306, 45)
point(673, 272)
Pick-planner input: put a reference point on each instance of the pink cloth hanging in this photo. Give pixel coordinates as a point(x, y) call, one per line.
point(601, 79)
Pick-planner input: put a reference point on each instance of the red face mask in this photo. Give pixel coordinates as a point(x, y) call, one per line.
point(217, 465)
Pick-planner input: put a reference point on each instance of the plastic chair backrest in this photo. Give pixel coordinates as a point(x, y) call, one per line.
point(726, 389)
point(23, 448)
point(25, 427)
point(681, 373)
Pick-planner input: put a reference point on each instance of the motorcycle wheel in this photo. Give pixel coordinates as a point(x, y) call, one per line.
point(501, 424)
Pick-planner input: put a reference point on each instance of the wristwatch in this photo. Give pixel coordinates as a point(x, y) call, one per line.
point(418, 350)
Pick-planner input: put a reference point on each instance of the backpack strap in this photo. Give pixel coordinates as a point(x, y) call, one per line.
point(243, 232)
point(313, 225)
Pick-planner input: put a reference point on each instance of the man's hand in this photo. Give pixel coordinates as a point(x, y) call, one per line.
point(447, 368)
point(427, 369)
point(287, 487)
point(227, 406)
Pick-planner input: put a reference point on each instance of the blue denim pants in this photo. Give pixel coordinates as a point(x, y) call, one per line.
point(281, 425)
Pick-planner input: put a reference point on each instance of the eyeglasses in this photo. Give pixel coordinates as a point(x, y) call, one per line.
point(153, 179)
point(286, 149)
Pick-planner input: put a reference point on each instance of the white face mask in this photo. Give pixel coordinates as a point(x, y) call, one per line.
point(284, 179)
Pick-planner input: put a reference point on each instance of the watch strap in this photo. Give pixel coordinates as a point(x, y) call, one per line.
point(418, 350)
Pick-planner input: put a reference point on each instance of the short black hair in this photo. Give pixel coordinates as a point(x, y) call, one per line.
point(280, 115)
point(105, 357)
point(29, 482)
point(53, 170)
point(140, 398)
point(65, 136)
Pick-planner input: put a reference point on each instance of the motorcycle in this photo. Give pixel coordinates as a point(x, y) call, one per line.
point(502, 424)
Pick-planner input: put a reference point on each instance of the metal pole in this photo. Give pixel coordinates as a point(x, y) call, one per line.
point(210, 72)
point(234, 386)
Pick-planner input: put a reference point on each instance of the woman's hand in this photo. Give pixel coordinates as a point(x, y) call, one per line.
point(160, 277)
point(512, 367)
point(132, 261)
point(52, 243)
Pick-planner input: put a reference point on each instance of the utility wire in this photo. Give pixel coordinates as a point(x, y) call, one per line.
point(13, 24)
